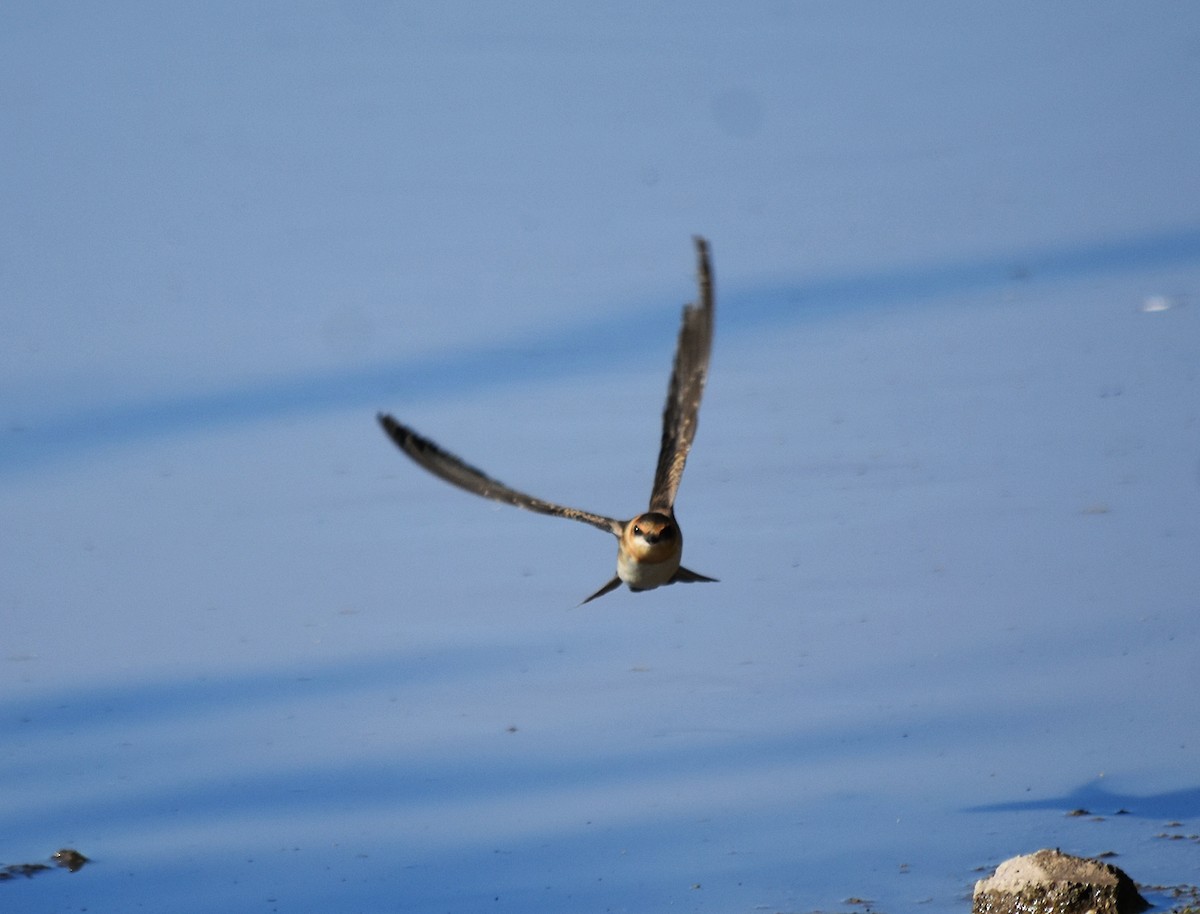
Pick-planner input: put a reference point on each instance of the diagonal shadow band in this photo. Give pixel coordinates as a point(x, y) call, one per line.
point(578, 350)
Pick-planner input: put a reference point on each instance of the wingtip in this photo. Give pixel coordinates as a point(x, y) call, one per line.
point(399, 435)
point(704, 269)
point(607, 588)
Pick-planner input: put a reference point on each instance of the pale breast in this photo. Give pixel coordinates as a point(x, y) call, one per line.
point(646, 575)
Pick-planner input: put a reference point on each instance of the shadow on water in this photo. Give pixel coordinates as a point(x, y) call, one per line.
point(512, 824)
point(563, 822)
point(117, 784)
point(172, 699)
point(174, 705)
point(1095, 799)
point(579, 349)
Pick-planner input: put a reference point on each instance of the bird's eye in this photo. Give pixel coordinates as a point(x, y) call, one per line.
point(637, 531)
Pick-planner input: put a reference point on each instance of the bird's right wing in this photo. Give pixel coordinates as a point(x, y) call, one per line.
point(454, 471)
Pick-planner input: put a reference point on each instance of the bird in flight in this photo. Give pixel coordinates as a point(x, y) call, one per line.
point(651, 544)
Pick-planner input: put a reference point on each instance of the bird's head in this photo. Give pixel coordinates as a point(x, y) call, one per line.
point(652, 537)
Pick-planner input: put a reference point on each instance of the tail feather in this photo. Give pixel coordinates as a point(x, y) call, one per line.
point(683, 576)
point(607, 588)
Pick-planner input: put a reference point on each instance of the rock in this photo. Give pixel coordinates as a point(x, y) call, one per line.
point(1051, 882)
point(69, 859)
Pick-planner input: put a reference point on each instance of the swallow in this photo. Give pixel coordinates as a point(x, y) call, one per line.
point(649, 546)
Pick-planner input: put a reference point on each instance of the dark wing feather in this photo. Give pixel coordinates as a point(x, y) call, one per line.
point(453, 470)
point(687, 385)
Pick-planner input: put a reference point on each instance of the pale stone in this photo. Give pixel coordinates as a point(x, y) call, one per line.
point(1051, 882)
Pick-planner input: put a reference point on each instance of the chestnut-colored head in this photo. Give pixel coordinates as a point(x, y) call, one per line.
point(652, 537)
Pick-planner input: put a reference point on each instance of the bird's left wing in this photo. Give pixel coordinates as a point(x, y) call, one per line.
point(687, 385)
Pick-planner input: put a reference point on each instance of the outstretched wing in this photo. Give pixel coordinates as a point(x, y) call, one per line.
point(450, 468)
point(687, 386)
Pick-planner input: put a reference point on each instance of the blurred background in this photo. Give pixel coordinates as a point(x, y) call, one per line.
point(948, 466)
